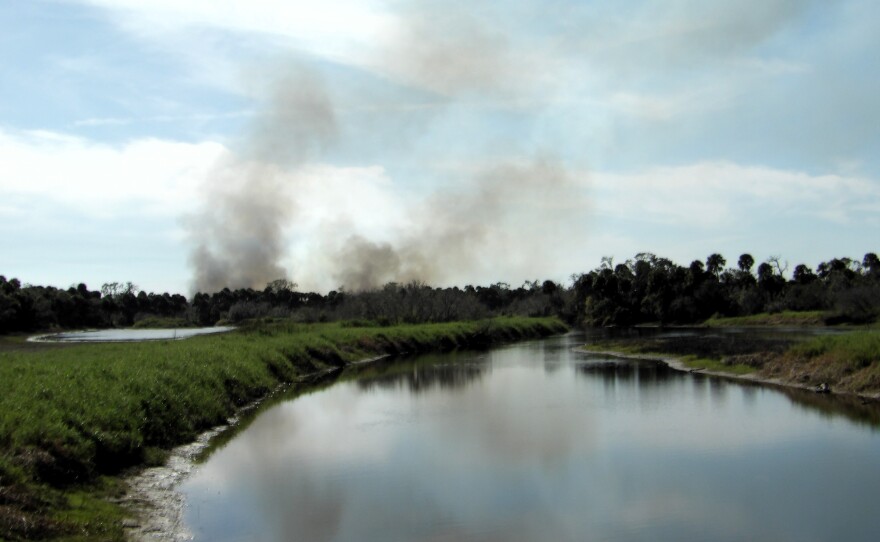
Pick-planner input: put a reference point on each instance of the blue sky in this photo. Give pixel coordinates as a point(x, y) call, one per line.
point(485, 141)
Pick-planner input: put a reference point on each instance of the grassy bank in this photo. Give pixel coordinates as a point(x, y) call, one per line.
point(731, 352)
point(784, 318)
point(70, 416)
point(848, 362)
point(691, 361)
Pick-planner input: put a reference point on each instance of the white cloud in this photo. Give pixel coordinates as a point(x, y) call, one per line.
point(532, 56)
point(339, 29)
point(191, 117)
point(363, 198)
point(773, 66)
point(651, 107)
point(148, 176)
point(725, 194)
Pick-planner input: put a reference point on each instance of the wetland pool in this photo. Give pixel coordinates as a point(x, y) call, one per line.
point(129, 335)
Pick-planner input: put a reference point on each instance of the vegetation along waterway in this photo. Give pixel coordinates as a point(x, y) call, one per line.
point(75, 417)
point(821, 359)
point(538, 441)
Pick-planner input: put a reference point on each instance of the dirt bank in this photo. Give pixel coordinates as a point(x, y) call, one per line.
point(770, 365)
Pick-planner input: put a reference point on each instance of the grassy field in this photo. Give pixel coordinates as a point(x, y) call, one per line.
point(72, 415)
point(785, 318)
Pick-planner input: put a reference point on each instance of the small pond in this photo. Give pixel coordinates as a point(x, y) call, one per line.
point(129, 335)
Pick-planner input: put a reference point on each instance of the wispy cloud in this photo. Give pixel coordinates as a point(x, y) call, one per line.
point(199, 117)
point(766, 108)
point(449, 47)
point(160, 178)
point(339, 30)
point(147, 176)
point(726, 195)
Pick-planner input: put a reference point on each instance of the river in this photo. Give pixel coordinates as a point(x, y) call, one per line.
point(535, 441)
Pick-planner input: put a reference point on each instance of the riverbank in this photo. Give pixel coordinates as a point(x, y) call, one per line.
point(153, 493)
point(73, 417)
point(842, 363)
point(680, 364)
point(783, 318)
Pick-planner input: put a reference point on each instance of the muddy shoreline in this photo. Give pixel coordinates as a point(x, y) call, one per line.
point(675, 362)
point(156, 505)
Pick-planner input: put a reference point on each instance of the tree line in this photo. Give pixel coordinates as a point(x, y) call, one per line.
point(644, 289)
point(28, 308)
point(651, 289)
point(35, 308)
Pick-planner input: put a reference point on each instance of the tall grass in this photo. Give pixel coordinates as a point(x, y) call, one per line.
point(68, 415)
point(784, 318)
point(854, 349)
point(848, 362)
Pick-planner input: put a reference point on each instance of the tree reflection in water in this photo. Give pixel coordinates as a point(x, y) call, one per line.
point(422, 374)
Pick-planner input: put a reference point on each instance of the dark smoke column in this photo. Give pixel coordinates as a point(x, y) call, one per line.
point(238, 233)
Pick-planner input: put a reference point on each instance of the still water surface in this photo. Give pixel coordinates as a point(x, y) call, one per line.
point(129, 335)
point(536, 442)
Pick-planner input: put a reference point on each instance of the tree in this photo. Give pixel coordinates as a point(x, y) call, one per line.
point(871, 265)
point(745, 263)
point(117, 289)
point(836, 270)
point(9, 312)
point(715, 264)
point(281, 285)
point(780, 267)
point(803, 274)
point(696, 269)
point(549, 287)
point(768, 280)
point(765, 273)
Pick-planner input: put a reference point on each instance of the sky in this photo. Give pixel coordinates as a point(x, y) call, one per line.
point(192, 145)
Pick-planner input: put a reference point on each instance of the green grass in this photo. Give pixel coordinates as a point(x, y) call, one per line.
point(691, 361)
point(158, 322)
point(71, 414)
point(695, 362)
point(90, 514)
point(618, 347)
point(848, 362)
point(854, 350)
point(785, 318)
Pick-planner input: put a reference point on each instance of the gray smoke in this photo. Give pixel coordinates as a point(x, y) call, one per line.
point(238, 235)
point(458, 55)
point(364, 264)
point(461, 52)
point(467, 230)
point(451, 49)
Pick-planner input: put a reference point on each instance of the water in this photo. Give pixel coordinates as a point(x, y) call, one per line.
point(537, 442)
point(129, 335)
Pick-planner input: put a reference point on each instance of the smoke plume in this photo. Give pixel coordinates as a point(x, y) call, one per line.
point(465, 231)
point(238, 235)
point(485, 214)
point(450, 49)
